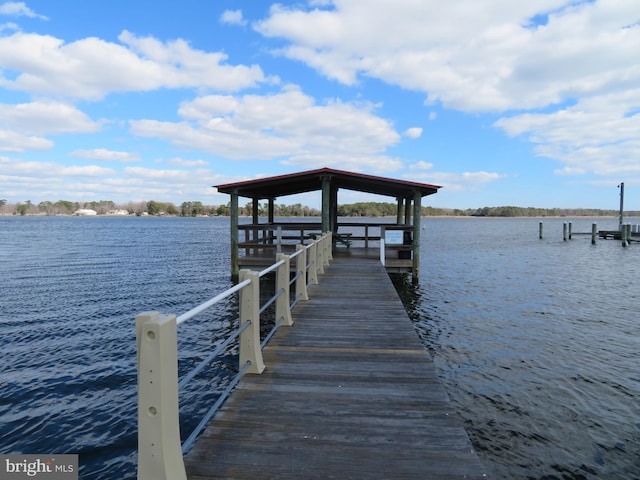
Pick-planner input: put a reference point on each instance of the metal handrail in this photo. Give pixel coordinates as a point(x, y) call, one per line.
point(153, 331)
point(204, 306)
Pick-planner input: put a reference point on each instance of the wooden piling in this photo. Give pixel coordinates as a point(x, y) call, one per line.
point(594, 233)
point(570, 229)
point(564, 231)
point(540, 231)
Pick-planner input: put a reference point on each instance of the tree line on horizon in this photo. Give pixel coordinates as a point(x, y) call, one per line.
point(359, 209)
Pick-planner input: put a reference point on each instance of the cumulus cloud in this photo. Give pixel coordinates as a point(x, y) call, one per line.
point(107, 155)
point(181, 162)
point(566, 59)
point(421, 165)
point(233, 17)
point(15, 142)
point(414, 132)
point(46, 117)
point(464, 181)
point(19, 9)
point(91, 68)
point(596, 135)
point(495, 58)
point(289, 125)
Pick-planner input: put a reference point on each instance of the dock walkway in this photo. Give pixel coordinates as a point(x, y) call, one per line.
point(349, 392)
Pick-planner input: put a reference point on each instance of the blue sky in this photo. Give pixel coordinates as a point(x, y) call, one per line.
point(500, 102)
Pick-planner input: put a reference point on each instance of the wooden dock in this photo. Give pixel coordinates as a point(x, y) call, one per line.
point(349, 392)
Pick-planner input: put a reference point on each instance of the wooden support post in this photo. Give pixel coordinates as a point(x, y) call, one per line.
point(279, 239)
point(301, 273)
point(159, 449)
point(417, 214)
point(283, 302)
point(326, 203)
point(564, 231)
point(399, 213)
point(540, 231)
point(624, 235)
point(594, 233)
point(570, 229)
point(250, 312)
point(272, 209)
point(234, 237)
point(407, 211)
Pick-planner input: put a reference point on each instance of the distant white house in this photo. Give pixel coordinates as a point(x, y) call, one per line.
point(121, 212)
point(85, 212)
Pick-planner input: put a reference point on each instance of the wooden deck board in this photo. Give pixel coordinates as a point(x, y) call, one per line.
point(349, 392)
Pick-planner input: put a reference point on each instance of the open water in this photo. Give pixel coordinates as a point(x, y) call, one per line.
point(536, 341)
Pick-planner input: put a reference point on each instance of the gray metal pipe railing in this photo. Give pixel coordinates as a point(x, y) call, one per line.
point(159, 449)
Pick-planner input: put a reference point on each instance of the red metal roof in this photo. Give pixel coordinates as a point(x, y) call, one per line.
point(311, 180)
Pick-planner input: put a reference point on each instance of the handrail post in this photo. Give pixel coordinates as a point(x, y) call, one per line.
point(283, 302)
point(301, 272)
point(313, 260)
point(279, 240)
point(329, 246)
point(159, 450)
point(250, 312)
point(320, 253)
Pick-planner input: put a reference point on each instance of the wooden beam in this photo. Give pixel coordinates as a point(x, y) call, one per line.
point(417, 211)
point(326, 203)
point(234, 236)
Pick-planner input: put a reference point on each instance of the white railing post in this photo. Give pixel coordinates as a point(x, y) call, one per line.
point(313, 263)
point(279, 240)
point(301, 272)
point(250, 312)
point(320, 254)
point(159, 450)
point(283, 302)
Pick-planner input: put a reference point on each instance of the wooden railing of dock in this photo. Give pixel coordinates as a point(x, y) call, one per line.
point(349, 392)
point(261, 242)
point(160, 451)
point(346, 391)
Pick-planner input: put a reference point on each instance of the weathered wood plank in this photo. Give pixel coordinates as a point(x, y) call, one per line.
point(349, 392)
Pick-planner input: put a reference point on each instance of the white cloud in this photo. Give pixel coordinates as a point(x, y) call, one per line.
point(574, 61)
point(15, 142)
point(597, 135)
point(32, 169)
point(414, 132)
point(18, 9)
point(494, 58)
point(91, 68)
point(46, 118)
point(421, 165)
point(465, 181)
point(107, 155)
point(181, 162)
point(233, 17)
point(289, 125)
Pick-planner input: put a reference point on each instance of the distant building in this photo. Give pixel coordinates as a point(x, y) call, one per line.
point(121, 212)
point(85, 212)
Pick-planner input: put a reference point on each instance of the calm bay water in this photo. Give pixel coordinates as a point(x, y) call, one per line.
point(536, 341)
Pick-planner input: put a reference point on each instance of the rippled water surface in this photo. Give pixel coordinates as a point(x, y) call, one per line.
point(537, 341)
